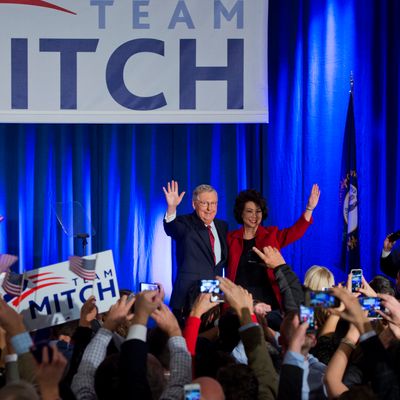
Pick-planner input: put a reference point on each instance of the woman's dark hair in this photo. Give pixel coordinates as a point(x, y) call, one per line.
point(249, 195)
point(382, 285)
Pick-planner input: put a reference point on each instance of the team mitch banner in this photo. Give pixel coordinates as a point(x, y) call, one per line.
point(54, 294)
point(133, 61)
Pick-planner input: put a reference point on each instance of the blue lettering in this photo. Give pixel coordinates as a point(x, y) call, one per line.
point(102, 10)
point(56, 303)
point(102, 289)
point(34, 306)
point(68, 49)
point(108, 273)
point(181, 8)
point(115, 75)
point(232, 73)
point(82, 296)
point(237, 9)
point(68, 294)
point(19, 74)
point(137, 14)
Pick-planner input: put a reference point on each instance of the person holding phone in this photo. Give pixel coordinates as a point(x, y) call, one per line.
point(390, 260)
point(245, 267)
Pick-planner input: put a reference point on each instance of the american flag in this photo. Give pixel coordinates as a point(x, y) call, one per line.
point(13, 283)
point(84, 268)
point(6, 260)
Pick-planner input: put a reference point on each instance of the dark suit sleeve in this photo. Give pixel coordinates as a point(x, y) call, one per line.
point(290, 287)
point(176, 228)
point(133, 370)
point(290, 383)
point(390, 265)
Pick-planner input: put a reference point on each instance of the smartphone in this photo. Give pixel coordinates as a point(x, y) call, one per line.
point(322, 298)
point(211, 286)
point(356, 279)
point(372, 304)
point(307, 315)
point(148, 286)
point(192, 391)
point(394, 236)
point(37, 350)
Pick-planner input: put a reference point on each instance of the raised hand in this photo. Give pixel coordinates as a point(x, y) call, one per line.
point(238, 298)
point(387, 244)
point(202, 304)
point(271, 256)
point(50, 372)
point(88, 312)
point(172, 196)
point(353, 311)
point(166, 320)
point(119, 313)
point(392, 313)
point(314, 198)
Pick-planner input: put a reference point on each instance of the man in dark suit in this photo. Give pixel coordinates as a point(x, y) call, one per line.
point(390, 262)
point(201, 250)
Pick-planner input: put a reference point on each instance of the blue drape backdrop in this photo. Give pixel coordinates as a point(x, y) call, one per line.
point(117, 171)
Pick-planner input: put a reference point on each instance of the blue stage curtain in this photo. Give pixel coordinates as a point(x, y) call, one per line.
point(117, 171)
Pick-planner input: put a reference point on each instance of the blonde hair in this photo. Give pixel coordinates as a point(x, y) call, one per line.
point(318, 277)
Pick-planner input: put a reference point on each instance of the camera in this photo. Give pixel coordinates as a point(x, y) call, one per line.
point(321, 299)
point(211, 286)
point(372, 304)
point(148, 286)
point(192, 391)
point(307, 315)
point(356, 279)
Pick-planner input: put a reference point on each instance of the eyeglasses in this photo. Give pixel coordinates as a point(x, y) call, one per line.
point(253, 212)
point(207, 204)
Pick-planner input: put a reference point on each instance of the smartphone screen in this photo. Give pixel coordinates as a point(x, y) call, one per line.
point(307, 315)
point(372, 304)
point(148, 286)
point(192, 391)
point(321, 299)
point(356, 279)
point(212, 286)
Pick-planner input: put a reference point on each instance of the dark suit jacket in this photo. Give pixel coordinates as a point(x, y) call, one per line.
point(194, 255)
point(390, 265)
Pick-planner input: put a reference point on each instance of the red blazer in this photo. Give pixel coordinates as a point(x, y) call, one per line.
point(265, 236)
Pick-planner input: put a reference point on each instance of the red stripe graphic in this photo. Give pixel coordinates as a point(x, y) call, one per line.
point(38, 3)
point(24, 295)
point(37, 275)
point(47, 279)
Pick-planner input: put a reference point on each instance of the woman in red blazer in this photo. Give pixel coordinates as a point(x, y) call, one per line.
point(245, 268)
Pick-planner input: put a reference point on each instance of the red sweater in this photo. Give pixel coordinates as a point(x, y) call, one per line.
point(265, 236)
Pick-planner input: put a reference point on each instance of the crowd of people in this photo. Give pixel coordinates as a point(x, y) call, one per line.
point(250, 342)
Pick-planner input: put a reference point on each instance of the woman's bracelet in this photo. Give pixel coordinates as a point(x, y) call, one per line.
point(309, 209)
point(348, 343)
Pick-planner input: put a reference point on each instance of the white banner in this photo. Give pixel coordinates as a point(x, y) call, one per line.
point(53, 295)
point(133, 61)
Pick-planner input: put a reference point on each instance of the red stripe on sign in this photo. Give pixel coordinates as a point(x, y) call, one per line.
point(47, 279)
point(37, 3)
point(37, 275)
point(24, 295)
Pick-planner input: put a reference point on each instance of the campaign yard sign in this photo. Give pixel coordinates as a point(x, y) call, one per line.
point(132, 61)
point(53, 295)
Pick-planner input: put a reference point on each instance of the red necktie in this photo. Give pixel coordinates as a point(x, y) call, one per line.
point(212, 240)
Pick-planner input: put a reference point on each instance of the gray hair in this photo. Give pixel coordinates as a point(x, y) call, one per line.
point(202, 189)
